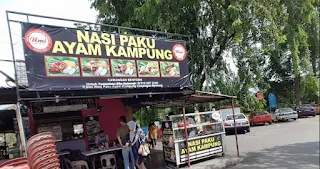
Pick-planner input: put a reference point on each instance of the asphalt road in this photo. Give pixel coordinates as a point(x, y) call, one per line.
point(285, 145)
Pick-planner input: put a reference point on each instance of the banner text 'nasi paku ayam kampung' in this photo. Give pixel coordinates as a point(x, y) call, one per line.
point(60, 58)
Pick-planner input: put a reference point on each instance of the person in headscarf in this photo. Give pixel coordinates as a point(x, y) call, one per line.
point(136, 138)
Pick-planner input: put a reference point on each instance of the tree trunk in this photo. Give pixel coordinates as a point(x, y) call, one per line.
point(314, 65)
point(297, 90)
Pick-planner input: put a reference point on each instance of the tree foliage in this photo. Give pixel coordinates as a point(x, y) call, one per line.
point(269, 41)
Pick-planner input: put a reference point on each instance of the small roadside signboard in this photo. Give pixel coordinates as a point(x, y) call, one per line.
point(272, 100)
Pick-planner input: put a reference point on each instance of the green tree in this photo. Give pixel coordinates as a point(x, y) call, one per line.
point(269, 40)
point(215, 27)
point(313, 31)
point(310, 89)
point(299, 13)
point(290, 57)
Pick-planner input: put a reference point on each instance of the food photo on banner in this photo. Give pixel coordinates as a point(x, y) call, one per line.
point(59, 58)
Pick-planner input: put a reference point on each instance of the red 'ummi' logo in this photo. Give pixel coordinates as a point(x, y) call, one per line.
point(179, 52)
point(38, 40)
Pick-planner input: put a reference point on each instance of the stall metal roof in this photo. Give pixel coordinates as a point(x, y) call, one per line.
point(135, 97)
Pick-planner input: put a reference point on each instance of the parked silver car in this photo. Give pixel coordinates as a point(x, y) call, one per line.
point(242, 123)
point(285, 114)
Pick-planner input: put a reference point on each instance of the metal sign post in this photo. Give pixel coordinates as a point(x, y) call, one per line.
point(186, 134)
point(21, 130)
point(235, 128)
point(18, 113)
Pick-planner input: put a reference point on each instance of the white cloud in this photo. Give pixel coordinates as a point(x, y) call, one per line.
point(69, 9)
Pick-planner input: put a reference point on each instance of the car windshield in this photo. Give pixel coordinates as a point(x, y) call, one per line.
point(306, 106)
point(262, 113)
point(238, 116)
point(286, 109)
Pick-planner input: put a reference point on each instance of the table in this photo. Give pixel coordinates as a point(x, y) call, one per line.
point(96, 152)
point(63, 153)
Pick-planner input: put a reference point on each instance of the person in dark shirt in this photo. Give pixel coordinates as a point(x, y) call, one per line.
point(124, 140)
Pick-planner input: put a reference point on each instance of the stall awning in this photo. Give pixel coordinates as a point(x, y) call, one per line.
point(187, 99)
point(136, 98)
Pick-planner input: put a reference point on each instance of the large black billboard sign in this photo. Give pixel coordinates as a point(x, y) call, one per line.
point(60, 58)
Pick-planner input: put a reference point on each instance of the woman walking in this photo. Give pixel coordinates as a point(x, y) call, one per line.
point(153, 134)
point(136, 137)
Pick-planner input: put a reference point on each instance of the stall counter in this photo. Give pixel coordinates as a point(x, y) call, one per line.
point(206, 137)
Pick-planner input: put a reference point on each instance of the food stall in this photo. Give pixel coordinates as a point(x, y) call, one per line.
point(205, 135)
point(80, 81)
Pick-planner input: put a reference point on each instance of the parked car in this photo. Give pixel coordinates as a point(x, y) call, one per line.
point(306, 110)
point(285, 114)
point(242, 123)
point(260, 118)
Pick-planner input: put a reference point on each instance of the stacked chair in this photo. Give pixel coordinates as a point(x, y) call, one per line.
point(15, 163)
point(42, 154)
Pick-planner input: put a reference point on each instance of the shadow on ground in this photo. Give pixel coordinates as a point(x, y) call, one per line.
point(156, 160)
point(293, 156)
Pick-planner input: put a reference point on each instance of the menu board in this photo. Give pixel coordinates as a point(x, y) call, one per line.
point(54, 128)
point(92, 127)
point(168, 141)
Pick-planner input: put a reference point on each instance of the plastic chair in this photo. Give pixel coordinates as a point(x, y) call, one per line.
point(79, 164)
point(47, 163)
point(15, 162)
point(17, 167)
point(44, 149)
point(43, 159)
point(50, 163)
point(40, 143)
point(40, 153)
point(67, 163)
point(39, 137)
point(40, 148)
point(106, 161)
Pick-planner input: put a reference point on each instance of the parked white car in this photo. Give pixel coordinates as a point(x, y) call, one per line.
point(285, 114)
point(242, 123)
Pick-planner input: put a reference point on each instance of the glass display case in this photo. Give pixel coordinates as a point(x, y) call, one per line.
point(205, 132)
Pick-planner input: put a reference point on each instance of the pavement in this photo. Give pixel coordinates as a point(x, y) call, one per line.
point(285, 145)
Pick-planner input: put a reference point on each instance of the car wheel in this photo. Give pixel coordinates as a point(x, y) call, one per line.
point(248, 130)
point(270, 122)
point(294, 119)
